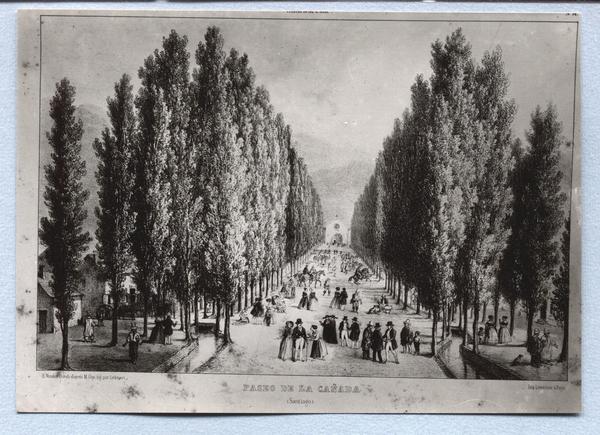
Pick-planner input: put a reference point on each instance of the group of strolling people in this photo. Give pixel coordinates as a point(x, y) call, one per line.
point(489, 335)
point(298, 343)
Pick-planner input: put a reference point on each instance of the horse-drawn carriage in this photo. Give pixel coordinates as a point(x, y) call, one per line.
point(362, 273)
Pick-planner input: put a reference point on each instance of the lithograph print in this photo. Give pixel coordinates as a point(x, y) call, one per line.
point(298, 212)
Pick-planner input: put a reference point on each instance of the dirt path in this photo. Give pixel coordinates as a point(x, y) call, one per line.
point(256, 346)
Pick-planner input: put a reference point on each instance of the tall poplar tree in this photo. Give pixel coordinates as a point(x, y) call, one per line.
point(543, 217)
point(151, 239)
point(223, 222)
point(64, 196)
point(115, 182)
point(560, 296)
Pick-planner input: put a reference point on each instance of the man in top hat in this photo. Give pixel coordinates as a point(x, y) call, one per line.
point(390, 342)
point(366, 340)
point(354, 332)
point(377, 343)
point(299, 340)
point(344, 328)
point(134, 339)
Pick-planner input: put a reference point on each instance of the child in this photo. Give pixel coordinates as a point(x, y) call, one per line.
point(417, 342)
point(133, 339)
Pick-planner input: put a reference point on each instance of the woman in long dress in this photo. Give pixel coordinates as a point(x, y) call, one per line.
point(329, 329)
point(303, 300)
point(335, 302)
point(491, 335)
point(318, 349)
point(503, 333)
point(286, 346)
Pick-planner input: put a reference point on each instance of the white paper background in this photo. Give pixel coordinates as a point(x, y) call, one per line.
point(588, 422)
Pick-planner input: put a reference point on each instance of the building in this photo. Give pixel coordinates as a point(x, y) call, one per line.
point(47, 320)
point(337, 233)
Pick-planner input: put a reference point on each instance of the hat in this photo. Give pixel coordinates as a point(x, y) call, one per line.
point(505, 317)
point(536, 331)
point(133, 325)
point(345, 318)
point(299, 322)
point(377, 325)
point(389, 323)
point(355, 319)
point(314, 326)
point(337, 288)
point(370, 323)
point(289, 321)
point(490, 317)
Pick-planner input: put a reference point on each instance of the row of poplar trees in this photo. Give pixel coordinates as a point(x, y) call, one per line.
point(201, 193)
point(457, 210)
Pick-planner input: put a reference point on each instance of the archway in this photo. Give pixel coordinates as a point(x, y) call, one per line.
point(337, 239)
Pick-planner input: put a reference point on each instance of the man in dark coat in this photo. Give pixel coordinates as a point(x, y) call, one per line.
point(343, 299)
point(366, 340)
point(390, 342)
point(354, 332)
point(377, 343)
point(299, 340)
point(405, 336)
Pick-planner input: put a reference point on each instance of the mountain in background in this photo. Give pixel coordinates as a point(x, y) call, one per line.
point(320, 154)
point(340, 187)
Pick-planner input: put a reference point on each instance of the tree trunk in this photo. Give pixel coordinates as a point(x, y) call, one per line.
point(444, 318)
point(205, 303)
point(530, 315)
point(246, 290)
point(239, 299)
point(252, 291)
point(460, 316)
point(217, 329)
point(186, 314)
point(405, 307)
point(484, 311)
point(260, 287)
point(418, 304)
point(145, 295)
point(512, 317)
point(64, 363)
point(465, 324)
point(475, 326)
point(196, 326)
point(544, 310)
point(227, 329)
point(115, 321)
point(564, 353)
point(182, 323)
point(434, 332)
point(496, 310)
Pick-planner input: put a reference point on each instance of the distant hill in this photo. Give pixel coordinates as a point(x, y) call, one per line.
point(320, 154)
point(340, 187)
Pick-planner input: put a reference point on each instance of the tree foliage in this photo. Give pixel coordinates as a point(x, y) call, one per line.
point(64, 195)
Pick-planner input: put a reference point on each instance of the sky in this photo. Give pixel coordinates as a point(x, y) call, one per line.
point(338, 83)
